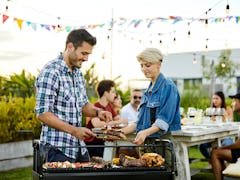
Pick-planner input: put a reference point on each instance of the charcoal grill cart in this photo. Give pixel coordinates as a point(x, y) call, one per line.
point(166, 171)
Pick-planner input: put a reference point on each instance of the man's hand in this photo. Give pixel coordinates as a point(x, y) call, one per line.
point(105, 115)
point(83, 133)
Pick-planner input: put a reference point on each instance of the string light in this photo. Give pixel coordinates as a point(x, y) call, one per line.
point(206, 23)
point(160, 42)
point(194, 59)
point(189, 33)
point(59, 28)
point(206, 20)
point(6, 7)
point(206, 47)
point(174, 38)
point(227, 8)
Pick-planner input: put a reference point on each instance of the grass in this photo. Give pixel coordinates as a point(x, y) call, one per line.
point(195, 153)
point(26, 173)
point(19, 174)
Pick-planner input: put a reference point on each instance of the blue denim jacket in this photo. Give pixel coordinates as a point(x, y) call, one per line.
point(165, 100)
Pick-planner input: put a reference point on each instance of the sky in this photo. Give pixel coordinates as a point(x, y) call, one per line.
point(30, 49)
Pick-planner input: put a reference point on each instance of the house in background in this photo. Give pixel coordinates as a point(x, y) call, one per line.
point(185, 69)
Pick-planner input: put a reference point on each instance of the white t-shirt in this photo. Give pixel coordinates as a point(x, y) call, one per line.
point(127, 112)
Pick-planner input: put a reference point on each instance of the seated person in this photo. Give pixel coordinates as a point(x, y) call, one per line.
point(218, 101)
point(227, 153)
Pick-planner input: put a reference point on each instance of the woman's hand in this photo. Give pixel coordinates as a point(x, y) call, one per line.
point(140, 138)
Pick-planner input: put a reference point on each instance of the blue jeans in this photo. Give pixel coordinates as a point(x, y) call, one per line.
point(52, 154)
point(205, 148)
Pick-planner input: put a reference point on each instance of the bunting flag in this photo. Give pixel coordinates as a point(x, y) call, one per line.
point(19, 22)
point(121, 22)
point(4, 17)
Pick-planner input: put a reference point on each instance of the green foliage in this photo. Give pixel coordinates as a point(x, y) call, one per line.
point(224, 69)
point(21, 85)
point(194, 98)
point(17, 113)
point(91, 79)
point(125, 96)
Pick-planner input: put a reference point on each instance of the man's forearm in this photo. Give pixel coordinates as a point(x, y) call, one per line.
point(53, 121)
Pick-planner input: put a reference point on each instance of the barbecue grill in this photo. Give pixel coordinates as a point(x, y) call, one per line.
point(166, 171)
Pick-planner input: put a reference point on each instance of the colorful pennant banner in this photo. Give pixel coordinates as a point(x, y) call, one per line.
point(121, 22)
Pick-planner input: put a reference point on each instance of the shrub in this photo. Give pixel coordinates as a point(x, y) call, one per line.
point(16, 114)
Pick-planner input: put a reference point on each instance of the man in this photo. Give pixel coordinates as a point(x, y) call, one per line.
point(61, 100)
point(106, 93)
point(227, 153)
point(130, 110)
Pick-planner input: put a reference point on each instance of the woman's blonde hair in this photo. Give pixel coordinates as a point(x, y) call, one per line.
point(151, 55)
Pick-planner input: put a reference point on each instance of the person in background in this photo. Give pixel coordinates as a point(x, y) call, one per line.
point(61, 100)
point(159, 111)
point(218, 101)
point(228, 153)
point(130, 110)
point(117, 104)
point(106, 93)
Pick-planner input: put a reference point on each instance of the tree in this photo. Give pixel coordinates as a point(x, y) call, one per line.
point(224, 69)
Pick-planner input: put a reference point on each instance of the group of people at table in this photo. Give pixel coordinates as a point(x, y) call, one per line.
point(61, 101)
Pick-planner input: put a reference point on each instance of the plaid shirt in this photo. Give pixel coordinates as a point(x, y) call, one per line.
point(63, 93)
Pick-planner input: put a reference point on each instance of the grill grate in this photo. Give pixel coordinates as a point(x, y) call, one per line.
point(117, 169)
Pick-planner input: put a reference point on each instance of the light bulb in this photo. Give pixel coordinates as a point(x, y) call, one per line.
point(206, 23)
point(227, 9)
point(160, 42)
point(206, 47)
point(194, 61)
point(174, 39)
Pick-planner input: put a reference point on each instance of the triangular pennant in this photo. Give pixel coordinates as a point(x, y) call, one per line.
point(34, 26)
point(5, 17)
point(19, 22)
point(68, 28)
point(47, 27)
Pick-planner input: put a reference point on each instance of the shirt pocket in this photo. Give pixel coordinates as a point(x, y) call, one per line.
point(68, 95)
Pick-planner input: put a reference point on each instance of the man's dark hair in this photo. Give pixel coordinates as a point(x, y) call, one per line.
point(78, 36)
point(104, 85)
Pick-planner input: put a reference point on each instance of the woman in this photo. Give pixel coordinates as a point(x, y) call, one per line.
point(159, 111)
point(117, 103)
point(218, 101)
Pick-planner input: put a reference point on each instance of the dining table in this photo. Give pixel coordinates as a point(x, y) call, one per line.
point(192, 135)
